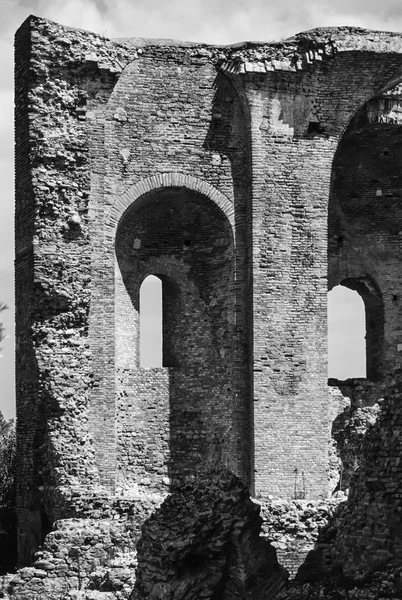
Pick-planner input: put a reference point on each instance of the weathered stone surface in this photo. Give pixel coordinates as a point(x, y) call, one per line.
point(369, 531)
point(349, 431)
point(295, 528)
point(204, 542)
point(249, 179)
point(379, 585)
point(92, 557)
point(362, 539)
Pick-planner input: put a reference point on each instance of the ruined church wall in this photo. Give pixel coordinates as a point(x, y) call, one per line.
point(53, 266)
point(186, 241)
point(75, 178)
point(289, 294)
point(365, 220)
point(365, 227)
point(369, 529)
point(159, 118)
point(107, 131)
point(296, 122)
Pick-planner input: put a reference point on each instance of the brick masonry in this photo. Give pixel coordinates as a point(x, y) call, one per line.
point(225, 172)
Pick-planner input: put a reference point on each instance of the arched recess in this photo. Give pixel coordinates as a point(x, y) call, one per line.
point(179, 416)
point(186, 240)
point(364, 221)
point(168, 180)
point(210, 120)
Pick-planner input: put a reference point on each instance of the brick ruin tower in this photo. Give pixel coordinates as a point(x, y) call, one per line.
point(248, 179)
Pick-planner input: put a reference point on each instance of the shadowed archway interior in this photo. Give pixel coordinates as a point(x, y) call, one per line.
point(184, 409)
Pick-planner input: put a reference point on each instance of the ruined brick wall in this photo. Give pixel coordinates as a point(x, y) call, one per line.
point(185, 234)
point(369, 529)
point(79, 310)
point(298, 115)
point(210, 168)
point(52, 275)
point(365, 227)
point(93, 556)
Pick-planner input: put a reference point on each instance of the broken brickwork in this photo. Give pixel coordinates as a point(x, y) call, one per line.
point(249, 179)
point(204, 541)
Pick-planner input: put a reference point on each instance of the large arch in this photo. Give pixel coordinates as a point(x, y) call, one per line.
point(175, 419)
point(162, 233)
point(151, 152)
point(167, 180)
point(364, 222)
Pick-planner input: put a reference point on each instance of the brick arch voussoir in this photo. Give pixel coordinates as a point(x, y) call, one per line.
point(165, 180)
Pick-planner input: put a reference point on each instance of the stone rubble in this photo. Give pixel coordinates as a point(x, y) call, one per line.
point(294, 528)
point(204, 542)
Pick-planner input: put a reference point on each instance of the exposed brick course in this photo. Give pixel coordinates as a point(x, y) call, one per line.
point(249, 179)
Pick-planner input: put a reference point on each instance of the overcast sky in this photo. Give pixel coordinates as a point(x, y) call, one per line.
point(211, 21)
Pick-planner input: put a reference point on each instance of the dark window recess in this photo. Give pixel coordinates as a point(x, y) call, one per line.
point(314, 127)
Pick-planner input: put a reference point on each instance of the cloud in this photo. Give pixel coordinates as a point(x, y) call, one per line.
point(210, 21)
point(6, 120)
point(226, 22)
point(73, 13)
point(368, 14)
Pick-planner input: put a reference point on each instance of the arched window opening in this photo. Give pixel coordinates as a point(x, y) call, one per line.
point(151, 322)
point(346, 334)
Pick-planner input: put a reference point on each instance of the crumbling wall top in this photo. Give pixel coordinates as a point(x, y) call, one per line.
point(292, 54)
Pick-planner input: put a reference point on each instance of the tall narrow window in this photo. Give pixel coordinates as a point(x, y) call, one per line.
point(346, 334)
point(151, 322)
